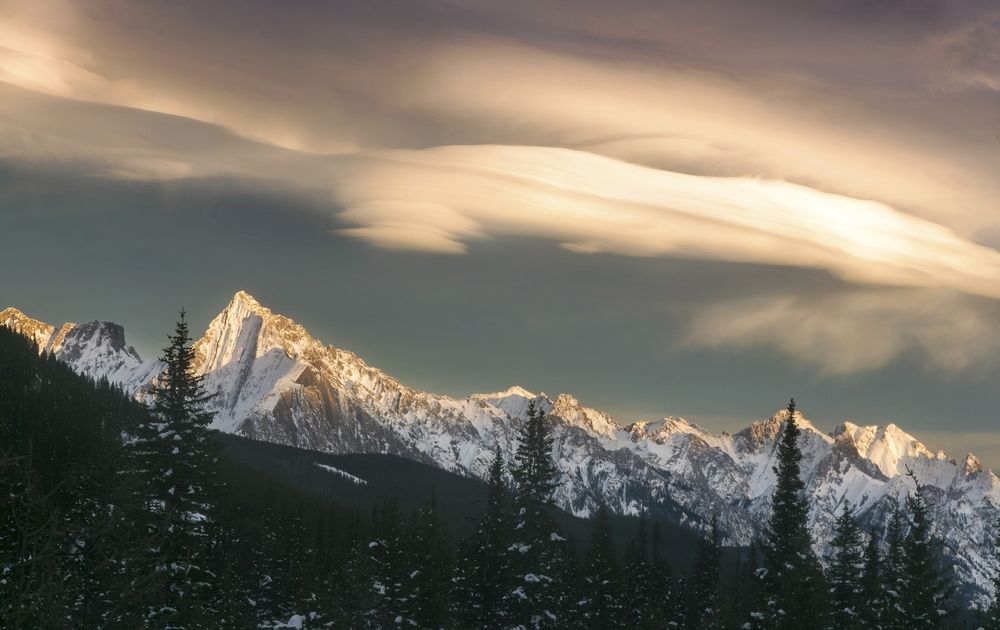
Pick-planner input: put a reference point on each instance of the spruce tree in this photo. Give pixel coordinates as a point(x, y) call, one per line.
point(646, 583)
point(893, 575)
point(485, 566)
point(601, 608)
point(927, 590)
point(176, 453)
point(703, 591)
point(432, 575)
point(391, 566)
point(793, 587)
point(844, 575)
point(539, 593)
point(873, 597)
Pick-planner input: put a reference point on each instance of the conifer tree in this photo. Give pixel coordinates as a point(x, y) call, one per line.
point(927, 590)
point(893, 574)
point(431, 577)
point(485, 567)
point(703, 592)
point(534, 469)
point(391, 567)
point(671, 604)
point(739, 588)
point(873, 598)
point(539, 593)
point(601, 607)
point(646, 583)
point(357, 591)
point(793, 587)
point(844, 575)
point(177, 454)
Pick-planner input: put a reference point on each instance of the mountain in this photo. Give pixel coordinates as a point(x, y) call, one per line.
point(276, 383)
point(96, 349)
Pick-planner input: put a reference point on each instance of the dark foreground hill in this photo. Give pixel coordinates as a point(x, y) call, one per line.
point(370, 480)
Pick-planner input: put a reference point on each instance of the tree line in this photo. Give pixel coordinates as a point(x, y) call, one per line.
point(118, 515)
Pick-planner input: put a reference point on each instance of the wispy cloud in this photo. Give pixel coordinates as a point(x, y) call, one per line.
point(440, 199)
point(855, 331)
point(810, 140)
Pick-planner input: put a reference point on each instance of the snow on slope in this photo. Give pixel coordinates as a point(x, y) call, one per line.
point(343, 473)
point(275, 382)
point(96, 349)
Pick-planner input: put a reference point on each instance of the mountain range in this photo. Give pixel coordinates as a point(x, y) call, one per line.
point(274, 382)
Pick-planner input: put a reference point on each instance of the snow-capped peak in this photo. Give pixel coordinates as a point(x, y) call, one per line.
point(243, 305)
point(511, 392)
point(39, 332)
point(673, 424)
point(246, 329)
point(514, 401)
point(888, 447)
point(97, 349)
point(591, 420)
point(971, 465)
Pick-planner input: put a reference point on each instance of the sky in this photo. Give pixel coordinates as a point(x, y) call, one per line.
point(662, 207)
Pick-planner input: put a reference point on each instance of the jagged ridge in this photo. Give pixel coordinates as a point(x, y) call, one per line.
point(275, 382)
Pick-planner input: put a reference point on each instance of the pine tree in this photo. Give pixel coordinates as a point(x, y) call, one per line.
point(845, 572)
point(739, 588)
point(601, 607)
point(646, 583)
point(927, 590)
point(177, 453)
point(703, 592)
point(534, 469)
point(357, 591)
point(391, 567)
point(485, 567)
point(893, 575)
point(793, 579)
point(873, 597)
point(539, 593)
point(434, 565)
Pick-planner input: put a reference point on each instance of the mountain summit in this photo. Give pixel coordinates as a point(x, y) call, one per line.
point(97, 349)
point(274, 382)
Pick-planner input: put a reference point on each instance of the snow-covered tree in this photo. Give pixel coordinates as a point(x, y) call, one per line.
point(485, 559)
point(601, 607)
point(431, 578)
point(873, 596)
point(389, 560)
point(703, 590)
point(893, 575)
point(926, 593)
point(176, 453)
point(845, 572)
point(541, 587)
point(647, 596)
point(793, 589)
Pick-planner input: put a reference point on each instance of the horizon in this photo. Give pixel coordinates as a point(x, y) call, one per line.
point(732, 425)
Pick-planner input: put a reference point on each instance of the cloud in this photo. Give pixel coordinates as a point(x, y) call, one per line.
point(855, 331)
point(805, 95)
point(974, 54)
point(439, 199)
point(803, 134)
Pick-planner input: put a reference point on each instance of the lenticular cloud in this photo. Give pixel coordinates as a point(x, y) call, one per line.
point(440, 199)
